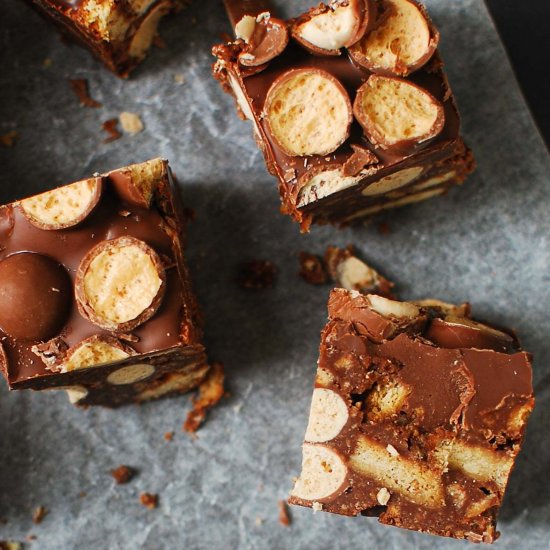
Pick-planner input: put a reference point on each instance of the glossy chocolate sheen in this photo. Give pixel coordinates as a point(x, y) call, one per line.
point(351, 77)
point(473, 399)
point(113, 217)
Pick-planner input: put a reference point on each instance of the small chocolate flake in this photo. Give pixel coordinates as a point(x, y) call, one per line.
point(8, 139)
point(169, 436)
point(123, 474)
point(149, 500)
point(312, 269)
point(80, 88)
point(110, 126)
point(257, 274)
point(40, 512)
point(284, 515)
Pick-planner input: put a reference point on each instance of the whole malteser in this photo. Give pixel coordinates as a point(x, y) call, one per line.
point(308, 112)
point(326, 29)
point(35, 296)
point(120, 284)
point(396, 113)
point(402, 41)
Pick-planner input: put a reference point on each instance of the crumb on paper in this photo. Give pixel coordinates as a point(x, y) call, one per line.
point(284, 514)
point(257, 274)
point(179, 78)
point(123, 474)
point(149, 500)
point(210, 392)
point(131, 123)
point(82, 494)
point(312, 269)
point(110, 126)
point(80, 89)
point(169, 436)
point(40, 512)
point(8, 139)
point(31, 537)
point(258, 521)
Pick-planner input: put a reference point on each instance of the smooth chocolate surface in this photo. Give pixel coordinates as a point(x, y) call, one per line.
point(342, 203)
point(422, 435)
point(174, 327)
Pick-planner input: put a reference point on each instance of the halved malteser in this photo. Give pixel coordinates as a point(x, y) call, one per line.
point(308, 112)
point(120, 284)
point(396, 113)
point(94, 351)
point(265, 37)
point(324, 30)
point(402, 42)
point(63, 207)
point(136, 184)
point(459, 332)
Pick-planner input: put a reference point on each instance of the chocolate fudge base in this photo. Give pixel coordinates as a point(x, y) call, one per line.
point(118, 34)
point(417, 416)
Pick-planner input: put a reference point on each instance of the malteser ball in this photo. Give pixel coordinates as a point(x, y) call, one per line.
point(35, 296)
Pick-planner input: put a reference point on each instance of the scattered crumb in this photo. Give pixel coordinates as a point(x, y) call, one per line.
point(383, 496)
point(169, 436)
point(312, 269)
point(284, 515)
point(40, 512)
point(82, 494)
point(258, 521)
point(317, 507)
point(123, 474)
point(210, 392)
point(110, 126)
point(8, 139)
point(131, 123)
point(384, 228)
point(149, 500)
point(10, 545)
point(257, 274)
point(124, 213)
point(80, 88)
point(47, 62)
point(31, 537)
point(179, 78)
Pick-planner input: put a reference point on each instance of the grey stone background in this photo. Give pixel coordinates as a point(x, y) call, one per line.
point(486, 242)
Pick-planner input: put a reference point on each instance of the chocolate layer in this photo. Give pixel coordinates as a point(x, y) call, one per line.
point(420, 435)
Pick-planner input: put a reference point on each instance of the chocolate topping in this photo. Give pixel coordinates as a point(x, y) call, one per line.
point(35, 296)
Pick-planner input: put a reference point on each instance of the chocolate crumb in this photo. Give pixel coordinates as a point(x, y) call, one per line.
point(312, 269)
point(40, 512)
point(149, 500)
point(123, 474)
point(80, 88)
point(257, 274)
point(169, 436)
point(284, 514)
point(110, 126)
point(210, 392)
point(8, 139)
